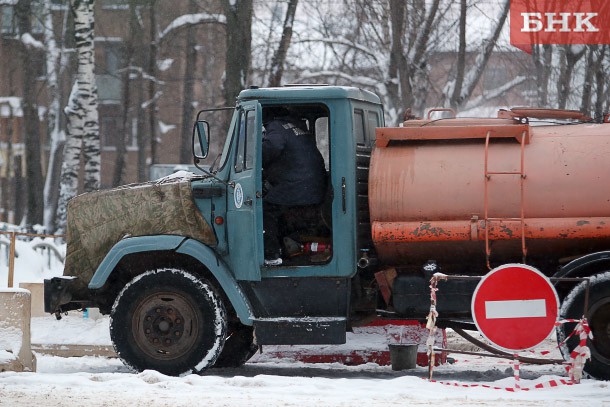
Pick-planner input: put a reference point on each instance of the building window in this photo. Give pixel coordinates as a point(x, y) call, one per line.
point(8, 20)
point(108, 78)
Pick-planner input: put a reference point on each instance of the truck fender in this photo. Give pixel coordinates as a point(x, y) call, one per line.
point(206, 256)
point(180, 244)
point(576, 267)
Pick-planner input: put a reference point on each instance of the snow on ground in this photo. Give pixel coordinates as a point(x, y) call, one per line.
point(268, 380)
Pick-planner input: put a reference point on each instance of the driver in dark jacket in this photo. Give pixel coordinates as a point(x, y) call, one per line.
point(293, 173)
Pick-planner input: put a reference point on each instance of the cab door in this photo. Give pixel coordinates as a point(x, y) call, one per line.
point(244, 206)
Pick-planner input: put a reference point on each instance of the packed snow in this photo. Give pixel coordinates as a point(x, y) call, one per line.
point(273, 377)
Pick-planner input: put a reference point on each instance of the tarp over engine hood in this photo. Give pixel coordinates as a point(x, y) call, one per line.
point(98, 220)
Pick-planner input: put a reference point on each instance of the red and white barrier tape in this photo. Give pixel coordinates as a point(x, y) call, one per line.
point(581, 353)
point(516, 373)
point(431, 321)
point(574, 367)
point(545, 385)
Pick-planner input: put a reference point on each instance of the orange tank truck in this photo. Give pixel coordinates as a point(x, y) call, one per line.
point(493, 190)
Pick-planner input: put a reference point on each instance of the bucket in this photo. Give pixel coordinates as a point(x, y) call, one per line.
point(403, 356)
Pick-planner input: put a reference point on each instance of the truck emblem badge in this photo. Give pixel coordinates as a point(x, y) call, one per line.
point(238, 196)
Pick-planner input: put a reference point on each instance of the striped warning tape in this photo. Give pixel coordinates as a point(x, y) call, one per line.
point(516, 372)
point(581, 353)
point(546, 385)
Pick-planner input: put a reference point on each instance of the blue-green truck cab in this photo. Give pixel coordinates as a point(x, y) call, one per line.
point(182, 300)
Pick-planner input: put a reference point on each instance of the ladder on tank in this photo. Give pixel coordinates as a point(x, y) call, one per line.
point(522, 176)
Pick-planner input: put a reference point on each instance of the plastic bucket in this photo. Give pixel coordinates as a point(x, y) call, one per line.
point(403, 356)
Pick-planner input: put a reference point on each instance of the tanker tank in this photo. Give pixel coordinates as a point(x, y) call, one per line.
point(455, 190)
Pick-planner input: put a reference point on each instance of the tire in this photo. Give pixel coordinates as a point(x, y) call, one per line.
point(598, 317)
point(239, 346)
point(170, 321)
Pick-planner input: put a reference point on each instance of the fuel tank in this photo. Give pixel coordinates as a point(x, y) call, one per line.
point(455, 189)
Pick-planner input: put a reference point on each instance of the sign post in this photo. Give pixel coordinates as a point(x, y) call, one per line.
point(515, 307)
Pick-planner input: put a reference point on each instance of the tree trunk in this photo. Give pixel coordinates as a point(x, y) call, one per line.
point(398, 85)
point(591, 66)
point(420, 67)
point(33, 176)
point(601, 82)
point(564, 84)
point(279, 59)
point(141, 136)
point(82, 115)
point(238, 44)
point(188, 90)
point(152, 71)
point(471, 79)
point(126, 129)
point(56, 136)
point(121, 140)
point(543, 57)
point(140, 113)
point(461, 59)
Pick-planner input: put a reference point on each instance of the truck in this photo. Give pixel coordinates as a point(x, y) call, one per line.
point(178, 262)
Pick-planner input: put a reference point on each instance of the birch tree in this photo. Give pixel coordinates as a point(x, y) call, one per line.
point(57, 138)
point(82, 115)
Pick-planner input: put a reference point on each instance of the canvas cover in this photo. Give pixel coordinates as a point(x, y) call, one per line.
point(98, 220)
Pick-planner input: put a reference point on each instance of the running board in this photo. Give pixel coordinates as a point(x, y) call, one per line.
point(300, 331)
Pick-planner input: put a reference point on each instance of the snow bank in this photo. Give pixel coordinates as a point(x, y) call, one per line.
point(35, 260)
point(15, 331)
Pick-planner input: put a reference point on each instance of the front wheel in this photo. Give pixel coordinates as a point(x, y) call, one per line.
point(239, 346)
point(598, 317)
point(168, 320)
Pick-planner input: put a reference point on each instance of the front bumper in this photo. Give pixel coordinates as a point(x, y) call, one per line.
point(58, 295)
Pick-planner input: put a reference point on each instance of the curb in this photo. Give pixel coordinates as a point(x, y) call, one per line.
point(67, 351)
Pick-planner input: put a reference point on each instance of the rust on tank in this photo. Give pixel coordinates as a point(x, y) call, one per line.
point(426, 229)
point(535, 228)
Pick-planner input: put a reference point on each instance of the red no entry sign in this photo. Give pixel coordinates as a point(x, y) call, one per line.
point(515, 307)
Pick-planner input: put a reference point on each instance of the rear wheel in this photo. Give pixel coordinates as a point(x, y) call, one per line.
point(168, 320)
point(598, 317)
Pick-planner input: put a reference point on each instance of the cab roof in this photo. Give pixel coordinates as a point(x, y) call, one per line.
point(313, 92)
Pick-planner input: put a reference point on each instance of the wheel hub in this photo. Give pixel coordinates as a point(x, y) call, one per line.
point(167, 326)
point(163, 326)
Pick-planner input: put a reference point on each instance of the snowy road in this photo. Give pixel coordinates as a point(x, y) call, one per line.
point(91, 381)
point(268, 381)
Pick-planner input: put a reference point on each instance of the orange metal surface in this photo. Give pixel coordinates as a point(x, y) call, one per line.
point(457, 230)
point(476, 130)
point(426, 190)
point(539, 113)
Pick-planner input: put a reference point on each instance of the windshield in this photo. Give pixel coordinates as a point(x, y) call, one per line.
point(225, 150)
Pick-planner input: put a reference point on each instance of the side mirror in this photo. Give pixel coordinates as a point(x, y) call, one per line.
point(201, 131)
